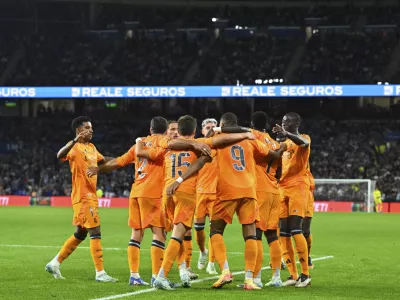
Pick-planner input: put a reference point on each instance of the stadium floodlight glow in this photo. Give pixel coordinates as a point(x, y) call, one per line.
point(379, 82)
point(271, 81)
point(265, 81)
point(281, 80)
point(214, 19)
point(386, 83)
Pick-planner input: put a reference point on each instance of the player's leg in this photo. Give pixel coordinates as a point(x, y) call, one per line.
point(53, 267)
point(247, 212)
point(199, 225)
point(182, 207)
point(271, 235)
point(157, 250)
point(285, 239)
point(188, 253)
point(309, 237)
point(295, 225)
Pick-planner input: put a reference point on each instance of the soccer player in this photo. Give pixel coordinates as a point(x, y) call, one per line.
point(378, 200)
point(236, 192)
point(187, 245)
point(294, 188)
point(206, 195)
point(145, 201)
point(81, 154)
point(179, 208)
point(268, 199)
point(308, 216)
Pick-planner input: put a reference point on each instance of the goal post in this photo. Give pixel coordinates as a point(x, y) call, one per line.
point(357, 191)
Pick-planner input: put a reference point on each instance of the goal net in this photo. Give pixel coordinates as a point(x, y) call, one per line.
point(357, 191)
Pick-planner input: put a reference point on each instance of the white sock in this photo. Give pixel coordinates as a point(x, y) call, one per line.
point(277, 272)
point(182, 266)
point(154, 275)
point(211, 263)
point(99, 273)
point(55, 261)
point(257, 280)
point(135, 275)
point(249, 275)
point(226, 266)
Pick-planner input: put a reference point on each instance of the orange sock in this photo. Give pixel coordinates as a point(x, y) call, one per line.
point(69, 246)
point(275, 256)
point(219, 248)
point(157, 256)
point(201, 239)
point(97, 252)
point(170, 255)
point(134, 256)
point(302, 253)
point(260, 258)
point(288, 255)
point(250, 257)
point(309, 243)
point(211, 256)
point(188, 249)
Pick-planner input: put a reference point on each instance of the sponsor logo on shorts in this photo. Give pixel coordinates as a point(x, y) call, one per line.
point(104, 202)
point(4, 201)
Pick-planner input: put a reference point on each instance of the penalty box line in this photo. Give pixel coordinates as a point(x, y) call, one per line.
point(194, 281)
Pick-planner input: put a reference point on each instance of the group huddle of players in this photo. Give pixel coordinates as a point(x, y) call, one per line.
point(179, 181)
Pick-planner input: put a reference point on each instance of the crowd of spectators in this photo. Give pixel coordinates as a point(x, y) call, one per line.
point(340, 150)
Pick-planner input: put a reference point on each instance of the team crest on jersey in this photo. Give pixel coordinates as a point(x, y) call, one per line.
point(148, 144)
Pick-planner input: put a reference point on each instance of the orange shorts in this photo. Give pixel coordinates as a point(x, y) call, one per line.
point(180, 208)
point(145, 213)
point(86, 213)
point(204, 205)
point(268, 207)
point(246, 210)
point(294, 200)
point(168, 223)
point(310, 205)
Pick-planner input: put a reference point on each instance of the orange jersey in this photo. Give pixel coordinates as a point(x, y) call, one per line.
point(80, 157)
point(310, 178)
point(175, 164)
point(266, 171)
point(149, 174)
point(294, 163)
point(207, 177)
point(237, 169)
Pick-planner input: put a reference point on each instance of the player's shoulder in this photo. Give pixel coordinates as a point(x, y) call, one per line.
point(305, 136)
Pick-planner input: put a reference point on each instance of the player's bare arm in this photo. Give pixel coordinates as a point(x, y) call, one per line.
point(228, 139)
point(83, 135)
point(276, 154)
point(106, 167)
point(184, 144)
point(192, 170)
point(295, 137)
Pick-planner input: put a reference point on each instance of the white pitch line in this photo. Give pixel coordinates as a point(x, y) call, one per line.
point(194, 281)
point(84, 247)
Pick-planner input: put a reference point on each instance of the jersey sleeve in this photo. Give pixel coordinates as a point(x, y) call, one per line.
point(127, 158)
point(156, 153)
point(100, 156)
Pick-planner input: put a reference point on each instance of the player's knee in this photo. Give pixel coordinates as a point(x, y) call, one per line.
point(214, 232)
point(95, 236)
point(94, 232)
point(187, 238)
point(271, 236)
point(259, 234)
point(80, 235)
point(199, 226)
point(295, 231)
point(250, 237)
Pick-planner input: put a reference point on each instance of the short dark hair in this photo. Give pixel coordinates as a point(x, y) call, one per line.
point(259, 120)
point(229, 119)
point(187, 125)
point(295, 117)
point(77, 122)
point(171, 122)
point(158, 125)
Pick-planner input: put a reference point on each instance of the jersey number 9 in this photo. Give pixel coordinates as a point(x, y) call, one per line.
point(237, 154)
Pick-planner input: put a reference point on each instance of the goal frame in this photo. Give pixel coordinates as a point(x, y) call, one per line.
point(371, 184)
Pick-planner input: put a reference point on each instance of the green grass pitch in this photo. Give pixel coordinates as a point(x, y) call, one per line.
point(365, 263)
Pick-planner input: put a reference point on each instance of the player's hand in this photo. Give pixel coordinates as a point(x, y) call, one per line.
point(203, 148)
point(172, 188)
point(250, 136)
point(279, 130)
point(83, 135)
point(92, 171)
